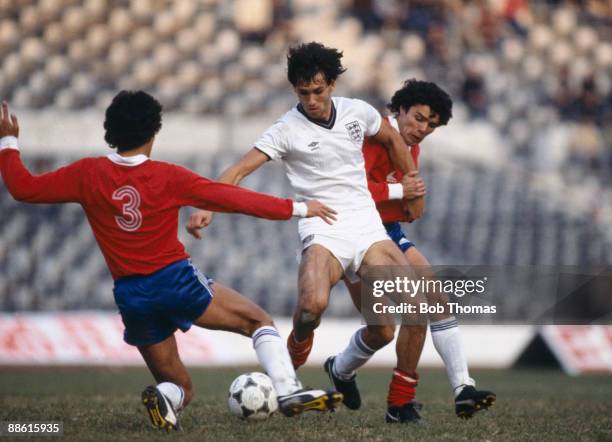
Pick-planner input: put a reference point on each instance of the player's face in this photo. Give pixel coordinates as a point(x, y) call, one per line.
point(315, 97)
point(416, 123)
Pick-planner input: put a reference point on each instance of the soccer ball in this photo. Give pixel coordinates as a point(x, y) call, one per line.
point(252, 396)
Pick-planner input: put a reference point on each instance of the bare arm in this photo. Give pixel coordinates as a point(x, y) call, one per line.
point(250, 162)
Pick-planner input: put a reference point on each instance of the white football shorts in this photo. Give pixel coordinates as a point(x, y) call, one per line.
point(348, 239)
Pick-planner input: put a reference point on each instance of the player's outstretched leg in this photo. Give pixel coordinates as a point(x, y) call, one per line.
point(231, 311)
point(174, 391)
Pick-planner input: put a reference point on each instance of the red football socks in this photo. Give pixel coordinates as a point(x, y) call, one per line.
point(299, 351)
point(402, 388)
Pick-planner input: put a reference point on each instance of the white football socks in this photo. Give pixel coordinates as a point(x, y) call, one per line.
point(352, 357)
point(173, 393)
point(274, 358)
point(447, 341)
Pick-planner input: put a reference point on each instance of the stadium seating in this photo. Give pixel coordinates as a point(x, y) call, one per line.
point(209, 56)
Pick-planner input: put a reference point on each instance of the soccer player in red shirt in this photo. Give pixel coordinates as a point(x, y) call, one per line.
point(132, 205)
point(418, 108)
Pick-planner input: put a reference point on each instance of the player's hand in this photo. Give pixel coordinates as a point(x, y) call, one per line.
point(414, 208)
point(9, 127)
point(197, 221)
point(414, 186)
point(316, 208)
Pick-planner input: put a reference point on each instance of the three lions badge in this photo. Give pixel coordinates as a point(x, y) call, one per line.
point(354, 131)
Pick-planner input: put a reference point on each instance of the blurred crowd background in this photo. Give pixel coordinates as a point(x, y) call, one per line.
point(530, 182)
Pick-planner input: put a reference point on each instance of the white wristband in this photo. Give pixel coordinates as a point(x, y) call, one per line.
point(396, 191)
point(9, 142)
point(300, 209)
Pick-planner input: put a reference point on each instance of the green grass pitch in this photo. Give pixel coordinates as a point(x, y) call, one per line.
point(104, 404)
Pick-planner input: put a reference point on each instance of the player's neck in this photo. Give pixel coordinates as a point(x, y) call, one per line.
point(145, 149)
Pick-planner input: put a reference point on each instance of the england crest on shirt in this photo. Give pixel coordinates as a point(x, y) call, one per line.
point(354, 131)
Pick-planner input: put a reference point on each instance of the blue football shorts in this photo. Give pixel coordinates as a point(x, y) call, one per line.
point(154, 306)
point(395, 232)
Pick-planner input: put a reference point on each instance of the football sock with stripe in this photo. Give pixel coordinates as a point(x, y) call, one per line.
point(274, 358)
point(447, 341)
point(402, 388)
point(173, 393)
point(352, 357)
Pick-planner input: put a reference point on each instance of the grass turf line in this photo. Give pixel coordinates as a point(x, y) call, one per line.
point(104, 404)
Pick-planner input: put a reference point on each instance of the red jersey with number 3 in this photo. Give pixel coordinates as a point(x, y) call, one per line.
point(133, 207)
point(381, 172)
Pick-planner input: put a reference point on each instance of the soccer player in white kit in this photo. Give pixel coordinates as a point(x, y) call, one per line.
point(319, 143)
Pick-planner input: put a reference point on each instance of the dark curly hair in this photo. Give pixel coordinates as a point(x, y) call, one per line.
point(132, 119)
point(305, 61)
point(423, 92)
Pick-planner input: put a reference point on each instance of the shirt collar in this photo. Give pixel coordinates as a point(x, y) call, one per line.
point(329, 124)
point(135, 160)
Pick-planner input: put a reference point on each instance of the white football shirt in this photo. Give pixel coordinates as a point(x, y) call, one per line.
point(325, 162)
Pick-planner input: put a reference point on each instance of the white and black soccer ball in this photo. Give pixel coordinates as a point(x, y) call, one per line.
point(252, 396)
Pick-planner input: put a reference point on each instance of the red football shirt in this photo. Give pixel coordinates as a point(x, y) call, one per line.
point(381, 172)
point(133, 208)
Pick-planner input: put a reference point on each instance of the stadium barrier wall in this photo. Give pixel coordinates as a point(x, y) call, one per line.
point(580, 349)
point(96, 338)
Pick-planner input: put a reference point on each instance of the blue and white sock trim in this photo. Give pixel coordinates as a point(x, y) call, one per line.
point(265, 332)
point(358, 341)
point(444, 324)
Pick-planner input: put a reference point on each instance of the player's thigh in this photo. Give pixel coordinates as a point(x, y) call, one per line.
point(230, 311)
point(319, 272)
point(165, 364)
point(384, 253)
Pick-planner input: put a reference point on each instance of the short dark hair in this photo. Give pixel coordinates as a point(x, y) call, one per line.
point(423, 92)
point(132, 119)
point(305, 61)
